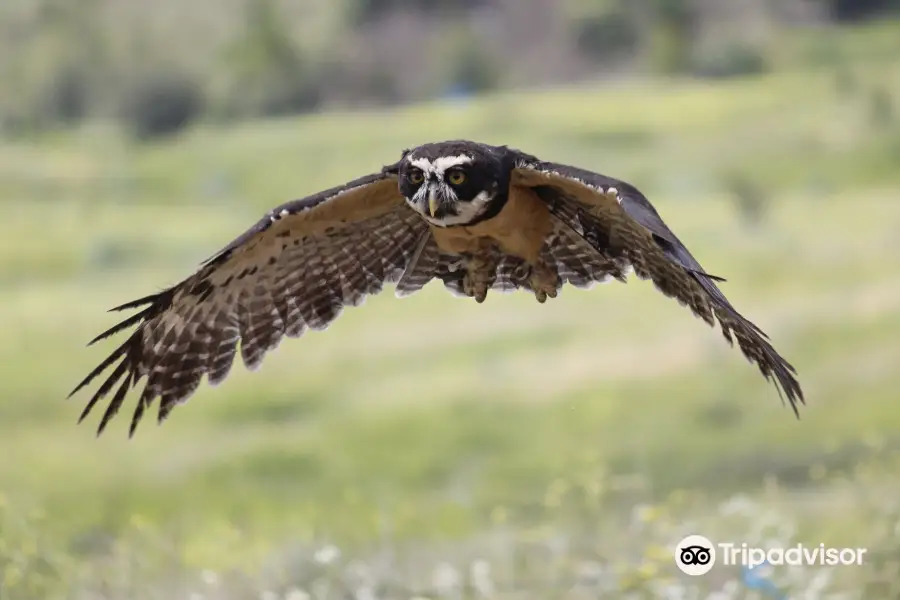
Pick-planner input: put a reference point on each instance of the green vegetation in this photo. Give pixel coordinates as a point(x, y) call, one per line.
point(158, 67)
point(581, 437)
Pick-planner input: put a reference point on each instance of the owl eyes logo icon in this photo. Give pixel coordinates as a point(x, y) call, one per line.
point(695, 555)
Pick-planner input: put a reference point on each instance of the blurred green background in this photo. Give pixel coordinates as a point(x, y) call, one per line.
point(432, 447)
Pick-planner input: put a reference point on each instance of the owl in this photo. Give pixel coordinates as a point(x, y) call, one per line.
point(477, 217)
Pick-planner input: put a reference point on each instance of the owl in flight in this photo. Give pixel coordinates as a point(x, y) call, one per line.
point(475, 216)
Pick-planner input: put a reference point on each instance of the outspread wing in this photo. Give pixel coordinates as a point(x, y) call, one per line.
point(294, 270)
point(624, 229)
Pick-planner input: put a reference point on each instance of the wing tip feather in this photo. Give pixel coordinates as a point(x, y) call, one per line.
point(149, 299)
point(775, 368)
point(130, 354)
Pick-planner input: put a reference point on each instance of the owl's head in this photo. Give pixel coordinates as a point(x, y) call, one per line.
point(454, 183)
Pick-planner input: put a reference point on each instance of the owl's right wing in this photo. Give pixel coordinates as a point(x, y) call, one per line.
point(293, 270)
point(624, 230)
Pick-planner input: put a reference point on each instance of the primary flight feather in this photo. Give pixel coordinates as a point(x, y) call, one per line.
point(476, 217)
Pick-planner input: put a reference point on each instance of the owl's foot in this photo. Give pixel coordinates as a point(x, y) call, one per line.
point(545, 281)
point(479, 276)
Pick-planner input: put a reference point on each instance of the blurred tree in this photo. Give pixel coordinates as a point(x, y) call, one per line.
point(731, 59)
point(845, 80)
point(269, 75)
point(674, 25)
point(471, 68)
point(604, 30)
point(66, 97)
point(72, 60)
point(750, 197)
point(363, 11)
point(857, 10)
point(378, 83)
point(881, 107)
point(162, 101)
point(63, 56)
point(351, 84)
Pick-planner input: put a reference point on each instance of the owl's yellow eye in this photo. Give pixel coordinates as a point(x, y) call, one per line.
point(416, 177)
point(456, 177)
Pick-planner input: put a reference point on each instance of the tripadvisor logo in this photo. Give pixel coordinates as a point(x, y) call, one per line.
point(696, 555)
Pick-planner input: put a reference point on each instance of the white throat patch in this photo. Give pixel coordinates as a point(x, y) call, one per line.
point(468, 211)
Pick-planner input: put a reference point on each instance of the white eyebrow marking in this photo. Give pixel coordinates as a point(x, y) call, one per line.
point(441, 164)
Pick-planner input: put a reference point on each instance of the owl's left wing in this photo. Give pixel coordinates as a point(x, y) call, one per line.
point(294, 270)
point(618, 222)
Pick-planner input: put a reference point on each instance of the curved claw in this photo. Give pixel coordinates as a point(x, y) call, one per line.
point(544, 281)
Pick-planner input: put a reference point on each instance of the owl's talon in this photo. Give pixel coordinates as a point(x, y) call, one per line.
point(478, 277)
point(544, 281)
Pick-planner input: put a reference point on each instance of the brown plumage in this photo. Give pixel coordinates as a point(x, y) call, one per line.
point(474, 216)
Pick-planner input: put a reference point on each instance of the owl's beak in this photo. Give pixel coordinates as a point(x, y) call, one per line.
point(432, 202)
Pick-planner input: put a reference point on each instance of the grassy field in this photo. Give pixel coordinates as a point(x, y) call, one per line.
point(435, 447)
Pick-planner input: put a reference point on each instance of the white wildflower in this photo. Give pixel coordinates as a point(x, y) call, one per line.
point(739, 504)
point(296, 594)
point(643, 514)
point(730, 591)
point(672, 590)
point(359, 570)
point(364, 593)
point(445, 578)
point(480, 572)
point(327, 554)
point(817, 584)
point(209, 577)
point(590, 571)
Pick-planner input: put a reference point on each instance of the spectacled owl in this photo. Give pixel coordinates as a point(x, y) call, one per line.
point(474, 216)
